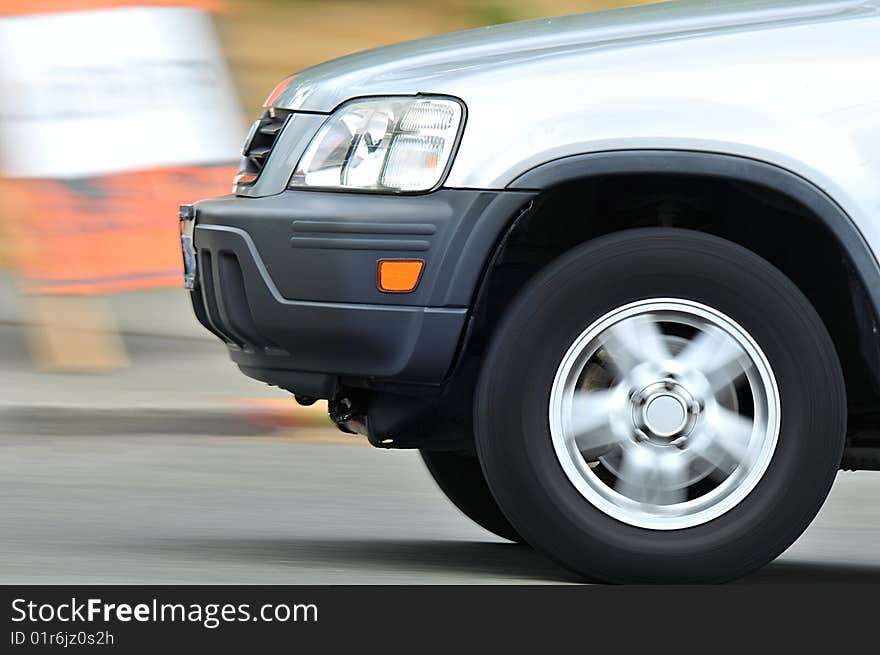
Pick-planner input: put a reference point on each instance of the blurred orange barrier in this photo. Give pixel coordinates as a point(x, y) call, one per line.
point(105, 234)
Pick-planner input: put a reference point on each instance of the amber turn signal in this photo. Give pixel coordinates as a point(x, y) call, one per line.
point(399, 275)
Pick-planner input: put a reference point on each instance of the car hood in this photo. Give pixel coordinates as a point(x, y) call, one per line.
point(437, 64)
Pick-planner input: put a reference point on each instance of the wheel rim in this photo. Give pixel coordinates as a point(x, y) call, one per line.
point(664, 414)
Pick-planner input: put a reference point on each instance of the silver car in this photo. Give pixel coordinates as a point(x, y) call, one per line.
point(613, 274)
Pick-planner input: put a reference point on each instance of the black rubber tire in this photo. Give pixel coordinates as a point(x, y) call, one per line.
point(511, 407)
point(461, 479)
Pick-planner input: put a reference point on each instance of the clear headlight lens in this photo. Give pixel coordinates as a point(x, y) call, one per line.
point(382, 144)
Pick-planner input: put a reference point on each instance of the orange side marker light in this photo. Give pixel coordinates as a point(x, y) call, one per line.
point(399, 275)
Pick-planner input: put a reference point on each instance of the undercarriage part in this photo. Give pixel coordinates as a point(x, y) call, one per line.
point(862, 451)
point(427, 423)
point(346, 417)
point(861, 459)
point(394, 421)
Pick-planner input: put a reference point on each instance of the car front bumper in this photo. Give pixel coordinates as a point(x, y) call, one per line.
point(288, 282)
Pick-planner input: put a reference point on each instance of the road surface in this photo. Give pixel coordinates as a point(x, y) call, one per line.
point(301, 508)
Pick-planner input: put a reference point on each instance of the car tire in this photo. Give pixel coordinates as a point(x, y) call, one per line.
point(624, 531)
point(461, 479)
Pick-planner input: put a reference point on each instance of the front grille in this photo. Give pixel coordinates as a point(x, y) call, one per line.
point(257, 151)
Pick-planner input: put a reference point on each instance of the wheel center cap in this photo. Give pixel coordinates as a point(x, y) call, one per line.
point(665, 415)
point(664, 411)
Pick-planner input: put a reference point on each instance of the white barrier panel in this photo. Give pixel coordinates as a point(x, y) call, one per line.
point(89, 93)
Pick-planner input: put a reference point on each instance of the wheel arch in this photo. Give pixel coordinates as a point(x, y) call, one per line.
point(861, 266)
point(716, 165)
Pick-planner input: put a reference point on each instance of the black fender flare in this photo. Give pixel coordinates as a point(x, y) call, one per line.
point(720, 166)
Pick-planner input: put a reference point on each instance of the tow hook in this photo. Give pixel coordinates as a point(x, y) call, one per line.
point(346, 417)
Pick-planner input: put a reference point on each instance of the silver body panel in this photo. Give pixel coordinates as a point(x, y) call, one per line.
point(795, 84)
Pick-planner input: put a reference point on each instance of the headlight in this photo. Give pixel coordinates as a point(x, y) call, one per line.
point(382, 144)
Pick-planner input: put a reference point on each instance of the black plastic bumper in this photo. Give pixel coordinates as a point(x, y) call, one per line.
point(289, 282)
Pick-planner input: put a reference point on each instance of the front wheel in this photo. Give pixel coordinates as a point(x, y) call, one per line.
point(681, 409)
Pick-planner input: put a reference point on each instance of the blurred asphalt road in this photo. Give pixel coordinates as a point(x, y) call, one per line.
point(88, 496)
point(301, 507)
